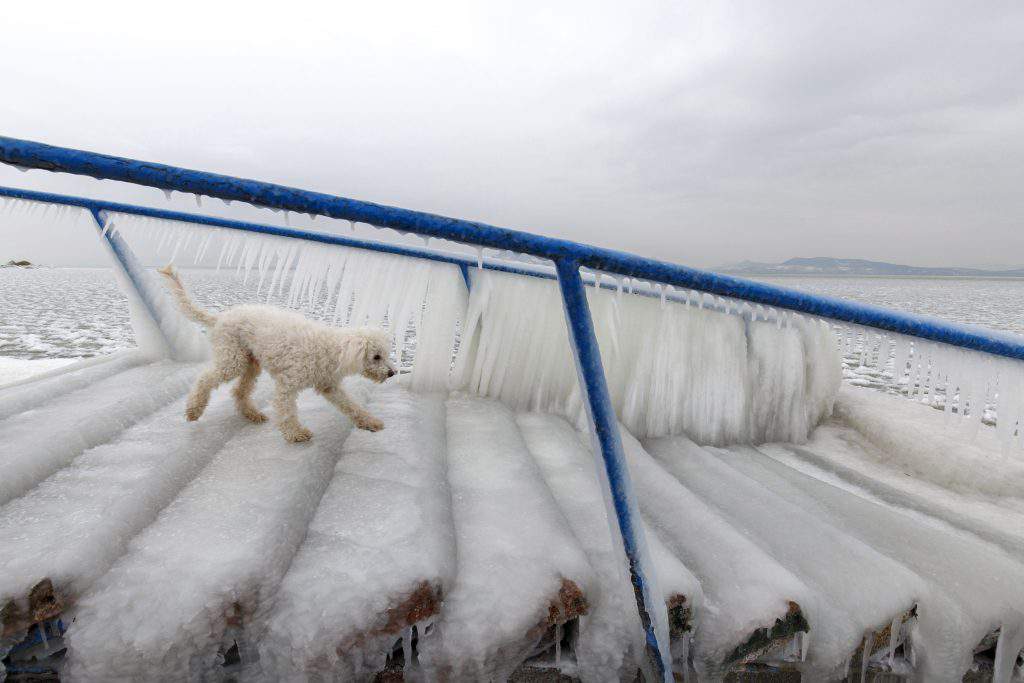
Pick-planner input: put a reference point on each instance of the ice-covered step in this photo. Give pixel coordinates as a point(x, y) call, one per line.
point(844, 457)
point(379, 552)
point(751, 602)
point(69, 529)
point(26, 395)
point(520, 572)
point(972, 587)
point(37, 443)
point(856, 590)
point(610, 637)
point(211, 560)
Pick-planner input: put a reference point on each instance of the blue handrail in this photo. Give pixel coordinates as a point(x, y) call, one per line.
point(29, 154)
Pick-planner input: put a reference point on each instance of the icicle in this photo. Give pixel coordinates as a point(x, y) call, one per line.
point(805, 641)
point(407, 647)
point(352, 226)
point(865, 655)
point(894, 637)
point(288, 218)
point(42, 634)
point(480, 258)
point(199, 199)
point(558, 645)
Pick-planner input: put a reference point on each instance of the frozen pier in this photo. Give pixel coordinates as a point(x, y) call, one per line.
point(594, 467)
point(467, 541)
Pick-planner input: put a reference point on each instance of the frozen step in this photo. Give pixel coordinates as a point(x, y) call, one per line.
point(71, 528)
point(379, 552)
point(610, 637)
point(844, 457)
point(34, 391)
point(211, 559)
point(972, 587)
point(520, 571)
point(39, 442)
point(751, 602)
point(856, 590)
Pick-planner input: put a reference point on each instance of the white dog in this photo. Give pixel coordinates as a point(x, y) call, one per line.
point(297, 352)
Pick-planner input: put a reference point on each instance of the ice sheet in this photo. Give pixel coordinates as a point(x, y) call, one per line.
point(219, 549)
point(744, 587)
point(923, 442)
point(513, 547)
point(856, 590)
point(39, 442)
point(382, 531)
point(610, 639)
point(74, 525)
point(973, 587)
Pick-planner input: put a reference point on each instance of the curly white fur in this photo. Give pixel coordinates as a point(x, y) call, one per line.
point(297, 352)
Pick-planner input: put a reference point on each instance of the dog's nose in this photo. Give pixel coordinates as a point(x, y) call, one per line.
point(391, 373)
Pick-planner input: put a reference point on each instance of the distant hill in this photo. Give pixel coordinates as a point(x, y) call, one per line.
point(822, 265)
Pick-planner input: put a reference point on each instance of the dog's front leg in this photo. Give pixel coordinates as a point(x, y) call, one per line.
point(343, 402)
point(288, 415)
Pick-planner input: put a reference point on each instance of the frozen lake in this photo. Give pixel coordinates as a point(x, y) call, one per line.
point(70, 313)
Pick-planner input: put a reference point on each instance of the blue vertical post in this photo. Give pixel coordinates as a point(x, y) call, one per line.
point(605, 430)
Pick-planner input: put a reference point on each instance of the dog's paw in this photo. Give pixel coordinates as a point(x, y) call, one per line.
point(370, 424)
point(298, 435)
point(193, 413)
point(254, 415)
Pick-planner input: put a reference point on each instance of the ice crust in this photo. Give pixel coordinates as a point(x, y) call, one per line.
point(971, 587)
point(39, 442)
point(37, 390)
point(514, 547)
point(952, 453)
point(610, 638)
point(218, 549)
point(845, 604)
point(744, 587)
point(718, 377)
point(382, 530)
point(76, 523)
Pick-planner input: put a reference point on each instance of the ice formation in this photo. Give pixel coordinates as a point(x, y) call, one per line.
point(970, 587)
point(841, 606)
point(609, 644)
point(671, 368)
point(342, 285)
point(78, 420)
point(113, 490)
point(514, 548)
point(378, 552)
point(213, 556)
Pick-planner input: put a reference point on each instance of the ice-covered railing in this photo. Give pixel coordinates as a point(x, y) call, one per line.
point(657, 375)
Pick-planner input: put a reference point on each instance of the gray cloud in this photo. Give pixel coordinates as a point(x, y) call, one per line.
point(698, 133)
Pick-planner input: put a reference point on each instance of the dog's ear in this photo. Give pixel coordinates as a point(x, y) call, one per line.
point(353, 353)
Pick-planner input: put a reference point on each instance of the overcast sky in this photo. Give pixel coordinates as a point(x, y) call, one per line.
point(700, 133)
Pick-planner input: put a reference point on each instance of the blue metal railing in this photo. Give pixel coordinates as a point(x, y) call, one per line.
point(568, 258)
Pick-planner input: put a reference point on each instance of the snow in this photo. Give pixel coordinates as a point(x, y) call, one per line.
point(514, 547)
point(39, 442)
point(971, 587)
point(225, 541)
point(610, 638)
point(72, 526)
point(718, 377)
point(382, 530)
point(843, 605)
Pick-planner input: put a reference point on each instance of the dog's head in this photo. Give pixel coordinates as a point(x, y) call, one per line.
point(372, 348)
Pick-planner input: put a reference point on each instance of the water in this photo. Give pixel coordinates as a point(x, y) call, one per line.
point(70, 313)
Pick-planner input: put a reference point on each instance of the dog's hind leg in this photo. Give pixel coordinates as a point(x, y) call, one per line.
point(243, 392)
point(343, 402)
point(229, 362)
point(288, 415)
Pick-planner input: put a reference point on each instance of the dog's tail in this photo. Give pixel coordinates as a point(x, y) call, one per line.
point(184, 302)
